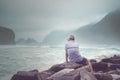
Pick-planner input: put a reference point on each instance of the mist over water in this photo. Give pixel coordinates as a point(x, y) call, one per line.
point(20, 57)
point(49, 22)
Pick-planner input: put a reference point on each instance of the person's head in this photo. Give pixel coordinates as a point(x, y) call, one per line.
point(71, 37)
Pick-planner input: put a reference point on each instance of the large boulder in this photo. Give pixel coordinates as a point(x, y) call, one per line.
point(100, 66)
point(59, 74)
point(110, 60)
point(114, 66)
point(116, 77)
point(44, 75)
point(71, 74)
point(61, 66)
point(7, 36)
point(103, 76)
point(85, 75)
point(117, 71)
point(25, 75)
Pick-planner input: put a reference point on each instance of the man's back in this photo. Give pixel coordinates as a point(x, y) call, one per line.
point(72, 49)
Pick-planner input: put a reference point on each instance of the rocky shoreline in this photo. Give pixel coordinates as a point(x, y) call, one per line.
point(106, 69)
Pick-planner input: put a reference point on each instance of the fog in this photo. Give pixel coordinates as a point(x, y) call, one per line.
point(37, 18)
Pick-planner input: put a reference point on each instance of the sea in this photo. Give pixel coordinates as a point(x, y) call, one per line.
point(15, 58)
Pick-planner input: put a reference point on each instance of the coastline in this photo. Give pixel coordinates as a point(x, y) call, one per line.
point(106, 69)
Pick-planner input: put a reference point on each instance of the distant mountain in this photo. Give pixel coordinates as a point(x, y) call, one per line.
point(55, 37)
point(7, 36)
point(105, 31)
point(28, 41)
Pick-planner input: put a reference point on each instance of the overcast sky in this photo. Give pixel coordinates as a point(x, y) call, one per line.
point(37, 18)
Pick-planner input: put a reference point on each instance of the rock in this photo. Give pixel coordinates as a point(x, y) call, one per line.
point(111, 60)
point(101, 66)
point(72, 75)
point(7, 36)
point(112, 72)
point(44, 75)
point(25, 75)
point(73, 71)
point(31, 75)
point(59, 74)
point(116, 57)
point(69, 77)
point(92, 60)
point(76, 74)
point(59, 67)
point(117, 71)
point(35, 70)
point(115, 77)
point(103, 76)
point(85, 75)
point(114, 66)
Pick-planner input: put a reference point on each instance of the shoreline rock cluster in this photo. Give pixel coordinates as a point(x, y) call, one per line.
point(106, 69)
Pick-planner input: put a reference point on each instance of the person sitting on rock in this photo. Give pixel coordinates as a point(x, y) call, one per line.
point(72, 53)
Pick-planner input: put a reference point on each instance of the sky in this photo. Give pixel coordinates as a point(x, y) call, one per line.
point(37, 18)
